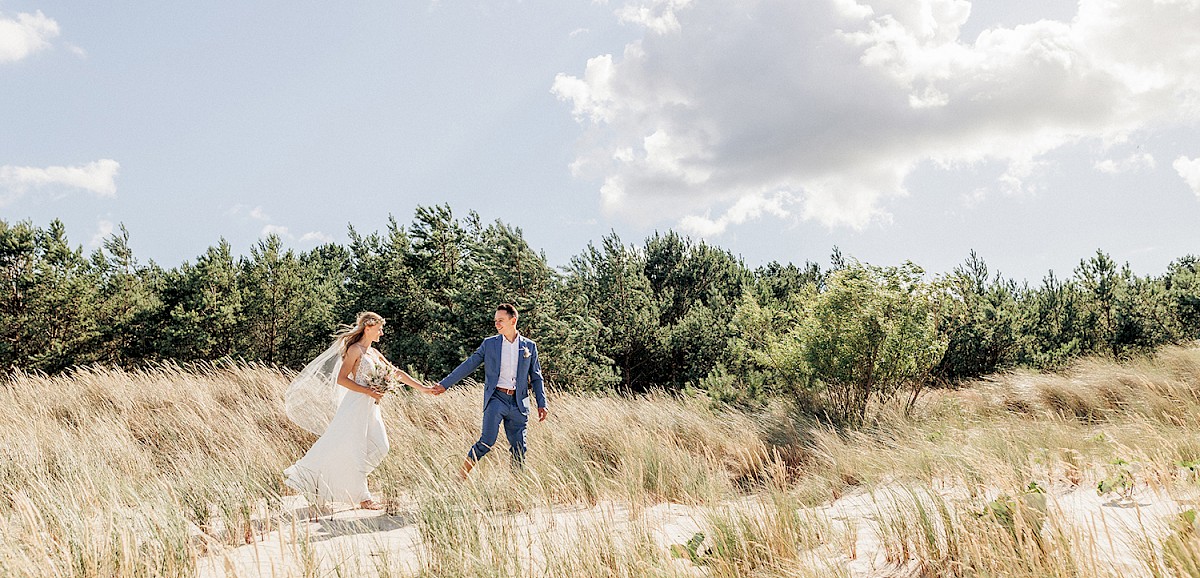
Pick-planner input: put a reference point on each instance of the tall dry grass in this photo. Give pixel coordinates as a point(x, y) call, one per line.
point(108, 472)
point(962, 451)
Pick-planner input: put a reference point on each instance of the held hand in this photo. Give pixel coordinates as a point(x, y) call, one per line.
point(542, 413)
point(437, 389)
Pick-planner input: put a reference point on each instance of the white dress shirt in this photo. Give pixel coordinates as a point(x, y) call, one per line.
point(509, 356)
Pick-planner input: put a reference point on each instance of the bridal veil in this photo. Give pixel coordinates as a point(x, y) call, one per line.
point(312, 399)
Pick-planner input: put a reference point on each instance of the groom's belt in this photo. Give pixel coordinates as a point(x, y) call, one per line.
point(506, 390)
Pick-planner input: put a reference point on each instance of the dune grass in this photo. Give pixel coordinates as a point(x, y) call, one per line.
point(109, 472)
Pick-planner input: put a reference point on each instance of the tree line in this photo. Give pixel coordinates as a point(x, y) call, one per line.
point(669, 313)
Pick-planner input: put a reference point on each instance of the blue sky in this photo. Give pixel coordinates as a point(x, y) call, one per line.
point(1031, 132)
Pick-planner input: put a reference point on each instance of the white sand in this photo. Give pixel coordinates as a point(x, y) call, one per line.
point(360, 542)
point(1112, 534)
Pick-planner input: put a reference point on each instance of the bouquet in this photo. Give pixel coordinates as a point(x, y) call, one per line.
point(383, 378)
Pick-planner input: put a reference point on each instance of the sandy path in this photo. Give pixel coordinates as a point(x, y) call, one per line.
point(361, 542)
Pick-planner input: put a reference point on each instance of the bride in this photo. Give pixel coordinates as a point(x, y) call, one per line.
point(331, 399)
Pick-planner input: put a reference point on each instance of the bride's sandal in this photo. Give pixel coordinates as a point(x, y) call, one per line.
point(370, 505)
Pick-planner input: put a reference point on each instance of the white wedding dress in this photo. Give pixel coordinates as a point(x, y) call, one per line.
point(336, 466)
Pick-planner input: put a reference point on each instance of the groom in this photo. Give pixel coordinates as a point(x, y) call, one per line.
point(510, 368)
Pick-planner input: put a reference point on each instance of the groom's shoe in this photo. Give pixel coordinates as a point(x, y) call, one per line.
point(465, 469)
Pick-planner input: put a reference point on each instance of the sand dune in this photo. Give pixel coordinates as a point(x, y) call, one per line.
point(1115, 534)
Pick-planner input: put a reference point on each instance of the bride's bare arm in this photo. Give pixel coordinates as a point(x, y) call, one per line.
point(407, 379)
point(349, 362)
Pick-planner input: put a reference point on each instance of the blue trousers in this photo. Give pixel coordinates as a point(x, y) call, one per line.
point(501, 407)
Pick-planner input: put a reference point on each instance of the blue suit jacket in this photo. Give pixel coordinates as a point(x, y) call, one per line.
point(529, 370)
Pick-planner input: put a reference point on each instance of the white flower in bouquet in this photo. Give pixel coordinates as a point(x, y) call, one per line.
point(382, 378)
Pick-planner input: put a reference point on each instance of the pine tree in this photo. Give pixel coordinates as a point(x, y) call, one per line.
point(128, 305)
point(18, 275)
point(613, 284)
point(204, 308)
point(277, 300)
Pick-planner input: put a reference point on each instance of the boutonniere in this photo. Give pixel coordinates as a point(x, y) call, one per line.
point(525, 350)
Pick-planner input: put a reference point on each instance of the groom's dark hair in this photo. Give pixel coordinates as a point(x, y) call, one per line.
point(507, 308)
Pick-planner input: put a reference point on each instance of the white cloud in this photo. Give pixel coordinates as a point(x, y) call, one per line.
point(836, 102)
point(974, 198)
point(656, 15)
point(852, 9)
point(1018, 179)
point(1189, 169)
point(277, 230)
point(258, 214)
point(283, 232)
point(25, 34)
point(589, 93)
point(104, 229)
point(745, 209)
point(97, 177)
point(286, 234)
point(1133, 163)
point(316, 236)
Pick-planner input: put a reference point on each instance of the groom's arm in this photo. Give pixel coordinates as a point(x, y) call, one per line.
point(464, 369)
point(535, 381)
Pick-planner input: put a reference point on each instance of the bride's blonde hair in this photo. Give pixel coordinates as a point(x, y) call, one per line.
point(348, 335)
